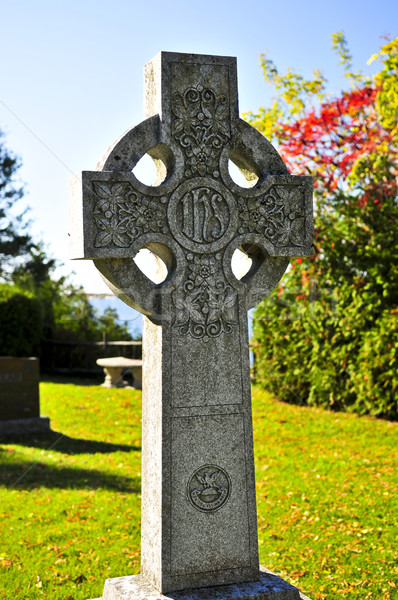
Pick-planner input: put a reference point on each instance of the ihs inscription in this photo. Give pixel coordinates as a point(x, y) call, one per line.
point(204, 215)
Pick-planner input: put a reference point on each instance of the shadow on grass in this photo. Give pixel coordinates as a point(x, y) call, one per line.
point(53, 440)
point(30, 475)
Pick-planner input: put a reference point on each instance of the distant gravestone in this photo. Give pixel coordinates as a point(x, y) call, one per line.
point(19, 397)
point(199, 525)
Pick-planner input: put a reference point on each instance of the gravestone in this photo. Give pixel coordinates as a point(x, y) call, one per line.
point(19, 397)
point(199, 525)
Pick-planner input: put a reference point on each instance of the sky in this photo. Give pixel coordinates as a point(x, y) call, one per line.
point(72, 76)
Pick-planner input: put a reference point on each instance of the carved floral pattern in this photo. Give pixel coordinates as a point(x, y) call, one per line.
point(278, 215)
point(121, 214)
point(205, 304)
point(200, 125)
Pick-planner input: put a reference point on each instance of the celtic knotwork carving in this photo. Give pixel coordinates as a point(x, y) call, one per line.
point(197, 215)
point(121, 214)
point(200, 125)
point(278, 215)
point(206, 303)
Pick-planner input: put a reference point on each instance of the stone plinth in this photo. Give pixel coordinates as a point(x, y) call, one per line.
point(15, 427)
point(268, 587)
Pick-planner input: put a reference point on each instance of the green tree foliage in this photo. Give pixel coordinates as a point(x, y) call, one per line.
point(54, 309)
point(35, 304)
point(21, 326)
point(67, 312)
point(328, 335)
point(14, 239)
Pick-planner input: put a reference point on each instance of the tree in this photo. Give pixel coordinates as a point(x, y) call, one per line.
point(15, 241)
point(328, 335)
point(35, 304)
point(67, 312)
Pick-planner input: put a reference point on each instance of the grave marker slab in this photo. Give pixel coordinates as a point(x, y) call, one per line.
point(19, 397)
point(199, 525)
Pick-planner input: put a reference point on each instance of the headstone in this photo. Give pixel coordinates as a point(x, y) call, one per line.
point(19, 397)
point(199, 525)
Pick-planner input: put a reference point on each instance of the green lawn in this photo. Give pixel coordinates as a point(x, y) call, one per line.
point(70, 504)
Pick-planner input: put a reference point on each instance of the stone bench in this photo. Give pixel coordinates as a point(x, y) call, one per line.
point(113, 368)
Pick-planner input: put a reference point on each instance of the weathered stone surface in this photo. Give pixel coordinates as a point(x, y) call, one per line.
point(199, 525)
point(19, 388)
point(268, 587)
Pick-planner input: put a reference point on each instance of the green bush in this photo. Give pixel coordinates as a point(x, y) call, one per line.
point(32, 315)
point(329, 335)
point(316, 348)
point(21, 326)
point(375, 375)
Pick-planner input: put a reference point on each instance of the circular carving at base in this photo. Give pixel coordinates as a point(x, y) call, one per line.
point(209, 488)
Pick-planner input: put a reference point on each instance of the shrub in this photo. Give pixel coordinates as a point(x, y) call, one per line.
point(21, 326)
point(329, 335)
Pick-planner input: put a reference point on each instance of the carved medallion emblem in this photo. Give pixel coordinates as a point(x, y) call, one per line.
point(202, 215)
point(209, 488)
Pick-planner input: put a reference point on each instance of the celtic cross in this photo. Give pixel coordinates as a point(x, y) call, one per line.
point(198, 492)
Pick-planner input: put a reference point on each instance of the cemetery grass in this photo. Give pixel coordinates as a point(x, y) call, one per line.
point(70, 503)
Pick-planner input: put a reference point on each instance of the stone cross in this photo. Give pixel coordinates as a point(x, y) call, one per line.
point(199, 524)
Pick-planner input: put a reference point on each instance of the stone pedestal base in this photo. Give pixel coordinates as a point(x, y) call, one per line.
point(269, 587)
point(24, 426)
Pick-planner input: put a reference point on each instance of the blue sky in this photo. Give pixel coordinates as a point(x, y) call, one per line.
point(72, 75)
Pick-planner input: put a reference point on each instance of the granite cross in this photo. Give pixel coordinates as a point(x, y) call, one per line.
point(199, 523)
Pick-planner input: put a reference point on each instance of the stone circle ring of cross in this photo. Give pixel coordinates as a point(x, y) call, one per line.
point(195, 216)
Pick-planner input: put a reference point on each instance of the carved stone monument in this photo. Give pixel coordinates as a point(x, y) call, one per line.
point(199, 526)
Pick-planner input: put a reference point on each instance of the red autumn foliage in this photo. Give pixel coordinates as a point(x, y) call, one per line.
point(330, 140)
